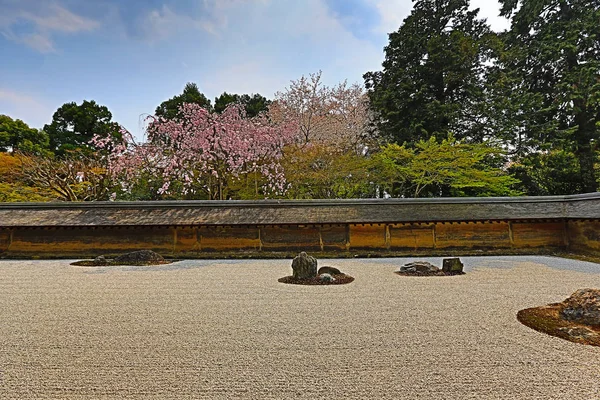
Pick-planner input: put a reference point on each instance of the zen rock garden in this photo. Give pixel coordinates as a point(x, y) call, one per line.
point(576, 319)
point(305, 272)
point(450, 266)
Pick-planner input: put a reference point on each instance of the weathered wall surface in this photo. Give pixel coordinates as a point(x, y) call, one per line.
point(344, 228)
point(339, 240)
point(584, 236)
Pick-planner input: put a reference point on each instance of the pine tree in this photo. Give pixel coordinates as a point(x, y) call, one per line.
point(431, 82)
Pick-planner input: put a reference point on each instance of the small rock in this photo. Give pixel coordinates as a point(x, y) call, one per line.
point(304, 266)
point(100, 260)
point(583, 306)
point(452, 266)
point(579, 332)
point(329, 270)
point(326, 278)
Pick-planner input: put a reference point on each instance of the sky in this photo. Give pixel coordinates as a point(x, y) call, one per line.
point(130, 55)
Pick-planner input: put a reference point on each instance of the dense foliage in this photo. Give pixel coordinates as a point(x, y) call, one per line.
point(431, 83)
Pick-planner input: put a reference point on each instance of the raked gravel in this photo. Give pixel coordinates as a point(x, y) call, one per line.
point(228, 330)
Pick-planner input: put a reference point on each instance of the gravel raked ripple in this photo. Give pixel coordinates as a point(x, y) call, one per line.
point(229, 330)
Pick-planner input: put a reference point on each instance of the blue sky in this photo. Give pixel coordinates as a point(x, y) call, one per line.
point(131, 55)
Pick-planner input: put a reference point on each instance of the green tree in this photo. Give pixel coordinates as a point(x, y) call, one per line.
point(169, 109)
point(548, 173)
point(431, 82)
point(253, 104)
point(447, 168)
point(16, 135)
point(553, 50)
point(73, 126)
point(321, 172)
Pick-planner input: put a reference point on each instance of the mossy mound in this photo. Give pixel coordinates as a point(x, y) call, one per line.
point(113, 263)
point(135, 258)
point(428, 273)
point(548, 319)
point(339, 279)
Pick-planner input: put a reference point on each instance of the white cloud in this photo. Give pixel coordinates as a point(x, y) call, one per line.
point(392, 13)
point(31, 109)
point(259, 46)
point(59, 19)
point(46, 19)
point(163, 23)
point(38, 42)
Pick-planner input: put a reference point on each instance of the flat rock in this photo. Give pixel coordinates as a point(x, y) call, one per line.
point(419, 266)
point(329, 270)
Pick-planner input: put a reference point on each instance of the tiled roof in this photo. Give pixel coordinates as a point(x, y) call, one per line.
point(273, 212)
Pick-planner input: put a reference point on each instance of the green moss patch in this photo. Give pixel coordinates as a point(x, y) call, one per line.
point(340, 279)
point(429, 273)
point(112, 263)
point(548, 320)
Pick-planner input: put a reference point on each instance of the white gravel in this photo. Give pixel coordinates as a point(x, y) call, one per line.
point(229, 330)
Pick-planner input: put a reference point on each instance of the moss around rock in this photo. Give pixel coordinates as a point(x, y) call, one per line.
point(317, 280)
point(576, 319)
point(140, 257)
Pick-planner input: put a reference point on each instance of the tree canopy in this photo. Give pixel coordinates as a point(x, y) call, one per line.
point(253, 104)
point(16, 135)
point(169, 109)
point(74, 125)
point(553, 54)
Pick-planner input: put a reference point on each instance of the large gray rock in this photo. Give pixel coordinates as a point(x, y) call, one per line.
point(139, 257)
point(583, 307)
point(304, 266)
point(419, 266)
point(452, 266)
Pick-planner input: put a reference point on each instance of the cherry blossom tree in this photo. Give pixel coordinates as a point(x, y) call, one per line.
point(333, 116)
point(201, 152)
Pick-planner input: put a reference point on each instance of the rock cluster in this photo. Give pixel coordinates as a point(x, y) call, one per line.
point(583, 307)
point(304, 269)
point(450, 266)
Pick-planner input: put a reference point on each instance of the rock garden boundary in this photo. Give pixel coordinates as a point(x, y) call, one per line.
point(334, 228)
